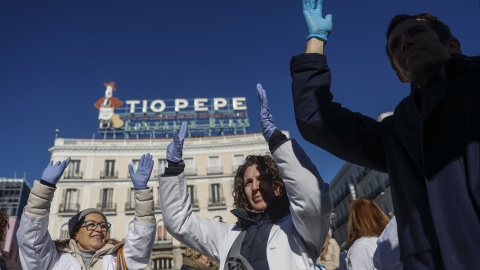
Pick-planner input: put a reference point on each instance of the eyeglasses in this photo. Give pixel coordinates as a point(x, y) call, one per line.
point(91, 225)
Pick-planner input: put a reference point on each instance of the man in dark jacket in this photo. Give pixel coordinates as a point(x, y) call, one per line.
point(429, 146)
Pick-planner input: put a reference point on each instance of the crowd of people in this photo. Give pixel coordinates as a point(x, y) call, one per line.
point(429, 147)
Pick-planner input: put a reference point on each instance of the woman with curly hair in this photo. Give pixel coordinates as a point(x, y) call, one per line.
point(366, 222)
point(281, 203)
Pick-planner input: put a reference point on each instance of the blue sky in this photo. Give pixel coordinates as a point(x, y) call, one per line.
point(56, 55)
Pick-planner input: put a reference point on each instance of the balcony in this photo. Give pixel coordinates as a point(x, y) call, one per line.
point(194, 204)
point(108, 208)
point(362, 174)
point(190, 171)
point(157, 207)
point(108, 175)
point(72, 175)
point(340, 198)
point(69, 208)
point(216, 203)
point(214, 170)
point(130, 207)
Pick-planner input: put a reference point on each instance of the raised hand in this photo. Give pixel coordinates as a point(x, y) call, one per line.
point(144, 170)
point(266, 120)
point(175, 148)
point(53, 172)
point(317, 26)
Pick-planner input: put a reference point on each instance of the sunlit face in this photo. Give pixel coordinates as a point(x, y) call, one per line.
point(258, 188)
point(91, 240)
point(416, 50)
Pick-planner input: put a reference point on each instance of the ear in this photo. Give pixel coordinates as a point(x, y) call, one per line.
point(400, 77)
point(454, 46)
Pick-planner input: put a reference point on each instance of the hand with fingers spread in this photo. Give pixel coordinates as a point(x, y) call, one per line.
point(144, 170)
point(175, 148)
point(318, 27)
point(53, 172)
point(266, 120)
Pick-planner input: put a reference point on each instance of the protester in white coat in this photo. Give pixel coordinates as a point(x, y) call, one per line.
point(366, 222)
point(88, 246)
point(387, 255)
point(293, 241)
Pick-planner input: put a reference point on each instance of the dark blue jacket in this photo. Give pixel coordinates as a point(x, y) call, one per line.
point(429, 147)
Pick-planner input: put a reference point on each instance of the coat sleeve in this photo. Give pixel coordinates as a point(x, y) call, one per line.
point(201, 234)
point(140, 238)
point(36, 248)
point(350, 136)
point(309, 196)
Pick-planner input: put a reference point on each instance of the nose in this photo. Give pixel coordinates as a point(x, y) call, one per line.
point(98, 228)
point(406, 41)
point(255, 184)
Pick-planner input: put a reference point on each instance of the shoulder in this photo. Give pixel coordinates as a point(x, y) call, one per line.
point(364, 244)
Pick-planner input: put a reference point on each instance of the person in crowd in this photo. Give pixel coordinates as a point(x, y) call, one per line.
point(4, 225)
point(281, 203)
point(387, 255)
point(430, 146)
point(193, 260)
point(89, 246)
point(366, 222)
point(330, 255)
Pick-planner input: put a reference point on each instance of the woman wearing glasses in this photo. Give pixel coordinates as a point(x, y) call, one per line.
point(89, 246)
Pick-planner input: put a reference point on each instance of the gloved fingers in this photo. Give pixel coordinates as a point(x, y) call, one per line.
point(151, 164)
point(319, 6)
point(58, 163)
point(142, 161)
point(50, 163)
point(309, 5)
point(66, 162)
point(175, 136)
point(328, 17)
point(183, 131)
point(130, 169)
point(147, 160)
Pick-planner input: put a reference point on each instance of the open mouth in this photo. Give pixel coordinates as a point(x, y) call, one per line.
point(97, 237)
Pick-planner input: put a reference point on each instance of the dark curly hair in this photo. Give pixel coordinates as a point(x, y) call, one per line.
point(442, 30)
point(4, 225)
point(267, 164)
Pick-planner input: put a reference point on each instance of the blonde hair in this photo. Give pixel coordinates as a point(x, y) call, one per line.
point(365, 218)
point(191, 254)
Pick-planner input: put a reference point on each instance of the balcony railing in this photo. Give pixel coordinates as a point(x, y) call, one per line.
point(108, 175)
point(216, 202)
point(69, 208)
point(108, 207)
point(72, 175)
point(157, 205)
point(194, 203)
point(214, 170)
point(340, 198)
point(130, 206)
point(190, 171)
point(362, 174)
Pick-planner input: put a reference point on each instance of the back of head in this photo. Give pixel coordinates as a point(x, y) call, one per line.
point(191, 254)
point(365, 218)
point(442, 30)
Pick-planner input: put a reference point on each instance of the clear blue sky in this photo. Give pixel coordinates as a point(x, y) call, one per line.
point(56, 55)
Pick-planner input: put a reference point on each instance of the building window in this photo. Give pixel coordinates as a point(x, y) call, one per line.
point(218, 218)
point(70, 199)
point(162, 263)
point(237, 161)
point(106, 199)
point(192, 195)
point(130, 205)
point(109, 170)
point(135, 163)
point(214, 165)
point(162, 234)
point(216, 198)
point(190, 166)
point(64, 232)
point(73, 170)
point(162, 164)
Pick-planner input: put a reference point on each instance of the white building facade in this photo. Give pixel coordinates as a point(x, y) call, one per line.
point(98, 177)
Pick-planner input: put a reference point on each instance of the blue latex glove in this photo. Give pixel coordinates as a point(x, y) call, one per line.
point(317, 26)
point(144, 170)
point(175, 148)
point(266, 120)
point(53, 172)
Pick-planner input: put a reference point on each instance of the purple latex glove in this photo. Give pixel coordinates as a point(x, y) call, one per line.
point(266, 120)
point(175, 148)
point(53, 172)
point(144, 170)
